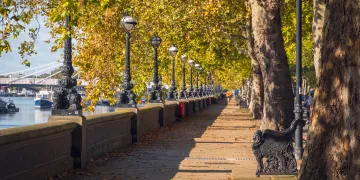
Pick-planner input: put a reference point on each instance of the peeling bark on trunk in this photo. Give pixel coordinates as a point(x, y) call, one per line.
point(317, 29)
point(333, 143)
point(257, 91)
point(269, 51)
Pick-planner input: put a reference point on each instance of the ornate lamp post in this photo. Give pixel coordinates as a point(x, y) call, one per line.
point(156, 93)
point(298, 104)
point(127, 97)
point(201, 90)
point(212, 86)
point(208, 78)
point(172, 94)
point(205, 93)
point(67, 100)
point(197, 68)
point(183, 89)
point(191, 64)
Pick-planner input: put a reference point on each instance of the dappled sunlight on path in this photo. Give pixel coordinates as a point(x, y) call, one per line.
point(214, 143)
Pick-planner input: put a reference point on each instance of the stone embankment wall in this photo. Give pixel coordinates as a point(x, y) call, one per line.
point(65, 142)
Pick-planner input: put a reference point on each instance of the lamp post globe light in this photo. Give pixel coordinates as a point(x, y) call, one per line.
point(196, 91)
point(156, 93)
point(127, 97)
point(191, 64)
point(183, 94)
point(172, 94)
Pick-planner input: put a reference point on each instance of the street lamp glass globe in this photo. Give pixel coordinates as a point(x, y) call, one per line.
point(191, 62)
point(155, 41)
point(128, 23)
point(197, 66)
point(183, 58)
point(173, 50)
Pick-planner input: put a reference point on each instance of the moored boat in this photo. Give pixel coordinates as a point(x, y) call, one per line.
point(11, 107)
point(8, 107)
point(43, 99)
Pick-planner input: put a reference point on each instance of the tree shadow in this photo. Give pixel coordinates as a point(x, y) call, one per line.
point(158, 155)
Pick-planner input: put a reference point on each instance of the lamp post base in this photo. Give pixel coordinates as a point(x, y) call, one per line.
point(182, 95)
point(172, 95)
point(298, 152)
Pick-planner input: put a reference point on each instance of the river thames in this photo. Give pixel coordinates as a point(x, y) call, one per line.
point(28, 114)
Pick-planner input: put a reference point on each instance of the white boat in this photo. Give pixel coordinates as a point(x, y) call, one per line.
point(43, 99)
point(22, 93)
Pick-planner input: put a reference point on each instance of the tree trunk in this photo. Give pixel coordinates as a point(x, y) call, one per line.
point(318, 23)
point(257, 91)
point(333, 146)
point(269, 51)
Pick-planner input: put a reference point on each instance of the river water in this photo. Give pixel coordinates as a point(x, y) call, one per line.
point(28, 114)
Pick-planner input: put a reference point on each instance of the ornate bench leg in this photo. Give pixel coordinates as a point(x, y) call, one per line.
point(281, 159)
point(260, 165)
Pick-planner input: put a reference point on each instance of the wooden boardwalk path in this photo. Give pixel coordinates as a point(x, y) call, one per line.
point(213, 144)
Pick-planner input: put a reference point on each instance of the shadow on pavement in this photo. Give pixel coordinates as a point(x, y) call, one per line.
point(157, 156)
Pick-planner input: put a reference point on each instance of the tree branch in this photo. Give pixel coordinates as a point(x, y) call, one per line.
point(238, 37)
point(240, 49)
point(233, 40)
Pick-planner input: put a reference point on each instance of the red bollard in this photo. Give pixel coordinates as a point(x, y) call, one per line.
point(181, 110)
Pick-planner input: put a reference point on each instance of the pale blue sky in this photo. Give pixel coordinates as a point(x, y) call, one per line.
point(11, 61)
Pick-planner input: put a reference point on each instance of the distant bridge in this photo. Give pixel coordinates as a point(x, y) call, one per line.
point(29, 80)
point(33, 81)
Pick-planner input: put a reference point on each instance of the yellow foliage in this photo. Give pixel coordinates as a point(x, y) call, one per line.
point(200, 29)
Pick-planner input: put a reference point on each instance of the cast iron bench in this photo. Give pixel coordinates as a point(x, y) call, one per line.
point(277, 148)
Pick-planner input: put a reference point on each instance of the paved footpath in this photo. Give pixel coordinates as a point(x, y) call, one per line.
point(214, 143)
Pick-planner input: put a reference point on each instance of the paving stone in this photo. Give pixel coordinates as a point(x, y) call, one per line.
point(214, 143)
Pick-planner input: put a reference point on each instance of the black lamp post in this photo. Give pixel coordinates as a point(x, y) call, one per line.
point(183, 89)
point(201, 92)
point(205, 88)
point(67, 100)
point(209, 84)
point(127, 97)
point(197, 68)
point(172, 94)
point(156, 93)
point(191, 90)
point(298, 104)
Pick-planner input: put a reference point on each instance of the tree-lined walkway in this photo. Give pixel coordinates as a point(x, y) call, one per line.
point(213, 144)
